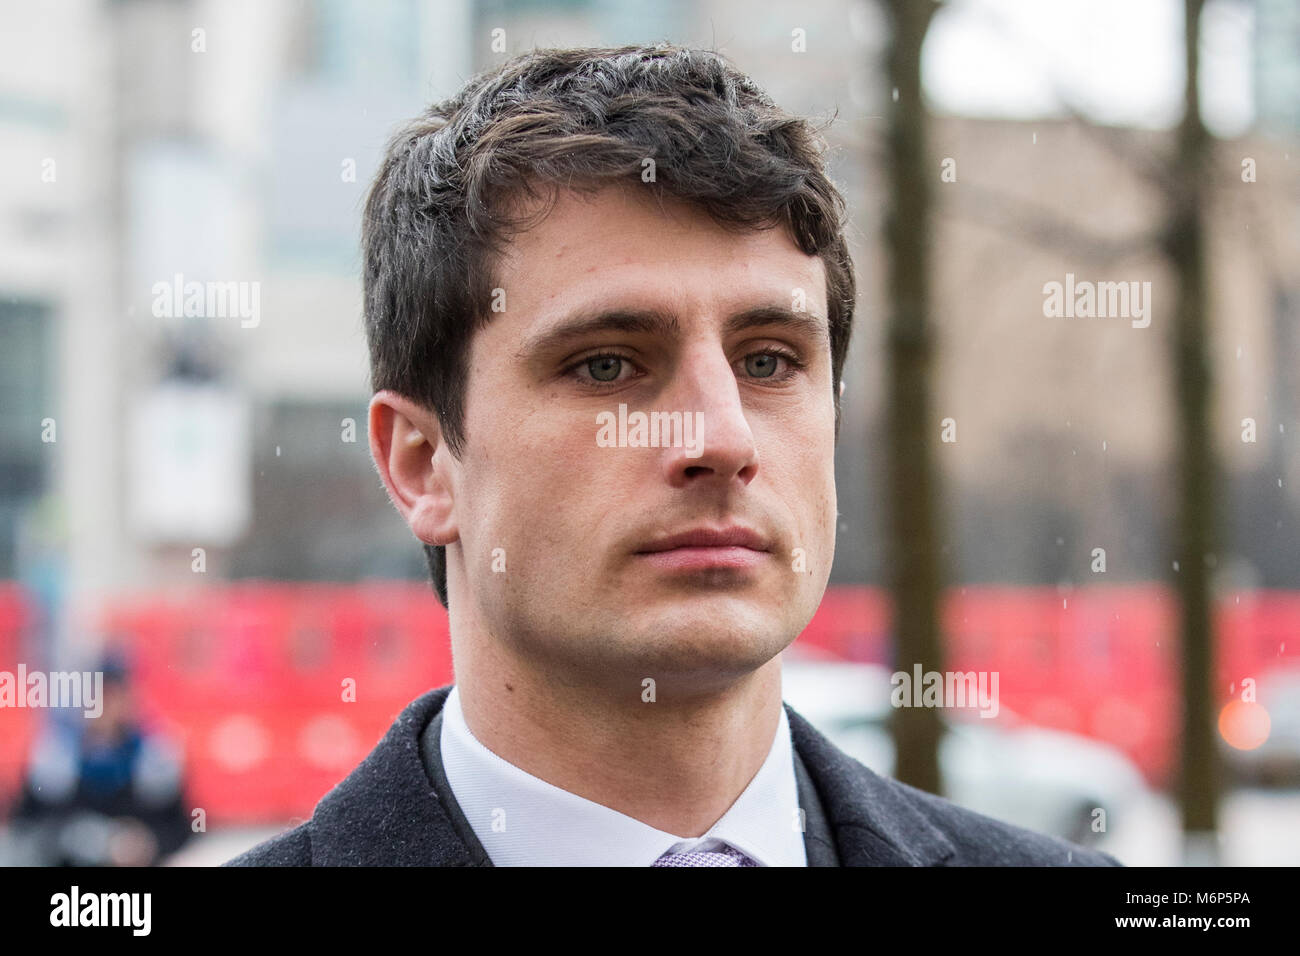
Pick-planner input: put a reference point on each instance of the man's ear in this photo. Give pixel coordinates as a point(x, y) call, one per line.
point(415, 465)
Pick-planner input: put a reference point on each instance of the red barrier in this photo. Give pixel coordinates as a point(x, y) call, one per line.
point(16, 724)
point(278, 690)
point(1100, 662)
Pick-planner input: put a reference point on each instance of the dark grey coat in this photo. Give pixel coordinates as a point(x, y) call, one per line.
point(392, 811)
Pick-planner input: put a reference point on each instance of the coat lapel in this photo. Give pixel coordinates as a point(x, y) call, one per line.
point(873, 821)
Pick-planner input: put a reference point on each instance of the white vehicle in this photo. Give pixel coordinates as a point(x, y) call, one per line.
point(1044, 780)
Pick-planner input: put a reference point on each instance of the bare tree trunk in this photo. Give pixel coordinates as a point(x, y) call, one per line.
point(913, 546)
point(1196, 535)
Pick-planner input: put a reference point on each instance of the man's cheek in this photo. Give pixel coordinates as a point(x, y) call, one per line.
point(821, 516)
point(540, 508)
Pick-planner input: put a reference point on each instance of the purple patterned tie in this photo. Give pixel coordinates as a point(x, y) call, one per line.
point(726, 856)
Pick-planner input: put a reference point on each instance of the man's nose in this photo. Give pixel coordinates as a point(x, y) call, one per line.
point(718, 444)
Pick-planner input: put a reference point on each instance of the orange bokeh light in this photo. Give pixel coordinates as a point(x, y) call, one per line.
point(1244, 725)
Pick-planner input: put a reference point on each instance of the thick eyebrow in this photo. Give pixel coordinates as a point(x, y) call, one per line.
point(665, 325)
point(805, 323)
point(584, 323)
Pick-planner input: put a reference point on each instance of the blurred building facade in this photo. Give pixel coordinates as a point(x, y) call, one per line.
point(152, 144)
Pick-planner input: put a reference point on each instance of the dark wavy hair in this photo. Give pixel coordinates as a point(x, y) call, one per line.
point(440, 209)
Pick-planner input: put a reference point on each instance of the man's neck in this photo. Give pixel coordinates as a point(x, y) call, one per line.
point(676, 765)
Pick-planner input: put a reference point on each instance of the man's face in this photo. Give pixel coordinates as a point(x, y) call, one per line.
point(616, 301)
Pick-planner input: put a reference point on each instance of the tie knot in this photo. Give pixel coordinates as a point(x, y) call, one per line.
point(723, 856)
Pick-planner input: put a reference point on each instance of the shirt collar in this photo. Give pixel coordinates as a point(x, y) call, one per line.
point(522, 820)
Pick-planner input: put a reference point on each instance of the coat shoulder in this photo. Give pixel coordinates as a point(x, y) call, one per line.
point(291, 848)
point(383, 813)
point(980, 840)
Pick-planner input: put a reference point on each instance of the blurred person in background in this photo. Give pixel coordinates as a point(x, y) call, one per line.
point(101, 791)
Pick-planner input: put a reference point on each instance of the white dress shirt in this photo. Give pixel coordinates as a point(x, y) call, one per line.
point(522, 820)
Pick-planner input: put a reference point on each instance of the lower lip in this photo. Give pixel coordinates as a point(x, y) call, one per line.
point(703, 559)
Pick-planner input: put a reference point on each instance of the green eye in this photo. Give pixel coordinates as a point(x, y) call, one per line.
point(605, 368)
point(761, 364)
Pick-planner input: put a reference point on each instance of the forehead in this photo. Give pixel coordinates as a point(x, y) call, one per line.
point(622, 247)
